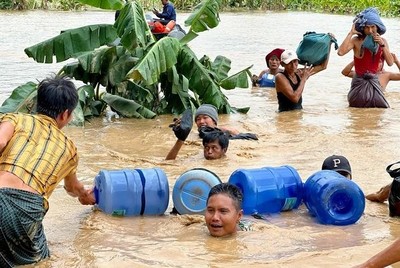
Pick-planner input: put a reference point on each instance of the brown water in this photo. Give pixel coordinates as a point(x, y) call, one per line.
point(370, 138)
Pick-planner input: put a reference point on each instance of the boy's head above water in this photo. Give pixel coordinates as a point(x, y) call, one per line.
point(224, 209)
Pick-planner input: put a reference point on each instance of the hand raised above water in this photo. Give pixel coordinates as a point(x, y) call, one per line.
point(306, 72)
point(183, 126)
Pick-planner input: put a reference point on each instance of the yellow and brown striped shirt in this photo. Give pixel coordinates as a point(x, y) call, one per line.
point(39, 153)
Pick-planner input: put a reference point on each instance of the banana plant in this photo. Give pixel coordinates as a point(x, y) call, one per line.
point(124, 67)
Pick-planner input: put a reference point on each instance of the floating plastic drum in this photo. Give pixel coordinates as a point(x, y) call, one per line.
point(191, 190)
point(156, 189)
point(268, 189)
point(333, 198)
point(132, 192)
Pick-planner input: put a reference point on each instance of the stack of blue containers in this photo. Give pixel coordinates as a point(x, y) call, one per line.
point(329, 196)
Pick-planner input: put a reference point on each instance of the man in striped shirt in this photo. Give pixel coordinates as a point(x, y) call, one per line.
point(35, 156)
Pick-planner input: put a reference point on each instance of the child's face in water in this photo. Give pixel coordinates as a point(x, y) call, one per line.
point(222, 216)
point(213, 150)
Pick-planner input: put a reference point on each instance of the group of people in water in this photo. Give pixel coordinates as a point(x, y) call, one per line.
point(369, 79)
point(36, 155)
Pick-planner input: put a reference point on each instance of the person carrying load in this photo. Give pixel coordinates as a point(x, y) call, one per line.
point(369, 47)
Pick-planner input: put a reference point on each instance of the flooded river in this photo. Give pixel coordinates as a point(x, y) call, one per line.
point(369, 138)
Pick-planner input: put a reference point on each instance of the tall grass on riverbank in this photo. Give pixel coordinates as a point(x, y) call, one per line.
point(387, 8)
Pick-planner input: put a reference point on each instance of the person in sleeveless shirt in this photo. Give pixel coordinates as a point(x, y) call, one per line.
point(369, 48)
point(35, 156)
point(290, 83)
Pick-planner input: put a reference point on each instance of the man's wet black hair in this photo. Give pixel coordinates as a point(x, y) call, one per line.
point(55, 95)
point(216, 135)
point(231, 190)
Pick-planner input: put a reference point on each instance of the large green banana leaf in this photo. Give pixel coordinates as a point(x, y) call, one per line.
point(134, 91)
point(22, 99)
point(175, 88)
point(219, 71)
point(161, 57)
point(221, 67)
point(200, 81)
point(71, 42)
point(240, 79)
point(104, 4)
point(132, 27)
point(106, 65)
point(205, 16)
point(127, 108)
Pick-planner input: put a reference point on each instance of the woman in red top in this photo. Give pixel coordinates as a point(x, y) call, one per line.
point(369, 48)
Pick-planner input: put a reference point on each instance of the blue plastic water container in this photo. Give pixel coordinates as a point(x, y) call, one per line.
point(333, 198)
point(191, 190)
point(132, 192)
point(268, 189)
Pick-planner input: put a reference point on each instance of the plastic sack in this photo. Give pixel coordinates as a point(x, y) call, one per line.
point(314, 48)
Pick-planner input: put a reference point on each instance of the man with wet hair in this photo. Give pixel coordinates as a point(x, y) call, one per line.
point(215, 144)
point(215, 141)
point(224, 209)
point(35, 156)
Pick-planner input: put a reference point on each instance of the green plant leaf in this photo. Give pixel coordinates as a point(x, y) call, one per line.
point(104, 4)
point(22, 99)
point(188, 37)
point(71, 42)
point(221, 67)
point(200, 82)
point(175, 88)
point(78, 118)
point(240, 79)
point(132, 27)
point(205, 16)
point(127, 108)
point(161, 57)
point(117, 71)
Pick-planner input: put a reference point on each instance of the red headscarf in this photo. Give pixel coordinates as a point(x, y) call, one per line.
point(276, 52)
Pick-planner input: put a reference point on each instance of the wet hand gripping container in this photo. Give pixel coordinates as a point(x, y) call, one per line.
point(333, 199)
point(132, 192)
point(268, 189)
point(191, 190)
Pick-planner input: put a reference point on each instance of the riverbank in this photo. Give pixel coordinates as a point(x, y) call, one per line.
point(386, 8)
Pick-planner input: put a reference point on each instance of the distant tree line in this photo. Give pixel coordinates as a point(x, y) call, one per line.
point(387, 8)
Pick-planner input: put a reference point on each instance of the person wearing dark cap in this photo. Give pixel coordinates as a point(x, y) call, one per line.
point(338, 163)
point(267, 77)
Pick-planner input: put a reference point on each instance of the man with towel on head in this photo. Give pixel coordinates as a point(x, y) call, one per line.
point(369, 47)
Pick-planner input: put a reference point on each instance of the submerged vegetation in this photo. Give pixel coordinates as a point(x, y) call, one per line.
point(124, 67)
point(387, 8)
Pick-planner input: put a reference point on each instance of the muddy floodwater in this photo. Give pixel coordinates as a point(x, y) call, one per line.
point(369, 138)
